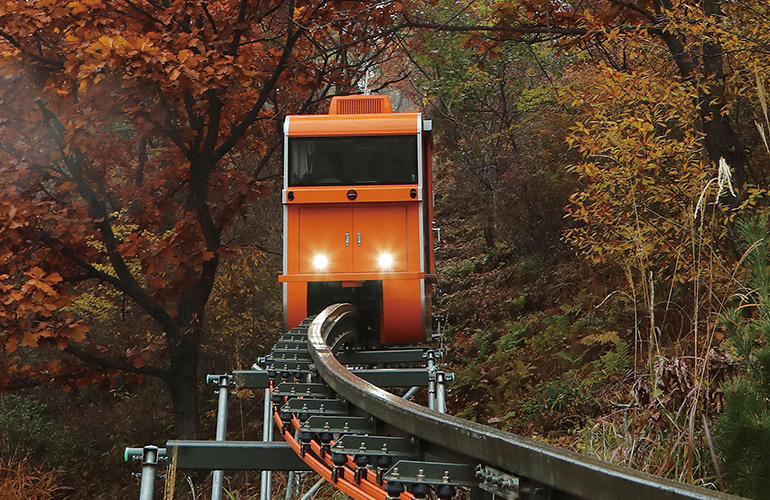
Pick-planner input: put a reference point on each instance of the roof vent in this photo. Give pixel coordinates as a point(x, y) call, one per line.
point(360, 105)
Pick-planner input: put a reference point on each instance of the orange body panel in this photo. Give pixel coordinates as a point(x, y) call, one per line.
point(339, 194)
point(350, 277)
point(401, 310)
point(353, 125)
point(413, 250)
point(295, 306)
point(394, 228)
point(333, 231)
point(379, 231)
point(325, 231)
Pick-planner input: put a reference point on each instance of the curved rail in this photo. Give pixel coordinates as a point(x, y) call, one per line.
point(568, 473)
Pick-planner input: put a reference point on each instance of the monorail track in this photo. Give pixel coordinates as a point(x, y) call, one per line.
point(425, 451)
point(374, 445)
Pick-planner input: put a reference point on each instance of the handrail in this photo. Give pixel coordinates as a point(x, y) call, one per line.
point(566, 471)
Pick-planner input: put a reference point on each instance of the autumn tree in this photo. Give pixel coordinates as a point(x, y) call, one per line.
point(491, 108)
point(657, 115)
point(694, 34)
point(133, 134)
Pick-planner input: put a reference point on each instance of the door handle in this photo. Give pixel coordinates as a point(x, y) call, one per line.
point(347, 239)
point(359, 238)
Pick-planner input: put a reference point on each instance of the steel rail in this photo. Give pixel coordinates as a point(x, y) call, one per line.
point(342, 484)
point(565, 471)
point(364, 489)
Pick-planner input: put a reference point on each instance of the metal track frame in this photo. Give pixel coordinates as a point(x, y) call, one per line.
point(391, 443)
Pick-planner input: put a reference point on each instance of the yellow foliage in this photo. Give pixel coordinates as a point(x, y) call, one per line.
point(610, 337)
point(643, 169)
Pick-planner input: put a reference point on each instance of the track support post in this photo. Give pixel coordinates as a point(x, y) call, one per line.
point(431, 362)
point(441, 391)
point(223, 382)
point(150, 456)
point(149, 467)
point(289, 485)
point(265, 491)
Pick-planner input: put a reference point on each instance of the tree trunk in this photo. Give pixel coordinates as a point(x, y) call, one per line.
point(490, 232)
point(182, 384)
point(721, 140)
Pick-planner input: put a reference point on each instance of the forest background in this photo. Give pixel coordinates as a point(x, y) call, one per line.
point(601, 193)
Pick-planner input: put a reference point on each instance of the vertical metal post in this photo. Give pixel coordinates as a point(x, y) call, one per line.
point(441, 393)
point(289, 485)
point(223, 381)
point(267, 435)
point(149, 466)
point(431, 380)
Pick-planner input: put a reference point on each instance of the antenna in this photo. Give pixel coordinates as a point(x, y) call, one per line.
point(364, 85)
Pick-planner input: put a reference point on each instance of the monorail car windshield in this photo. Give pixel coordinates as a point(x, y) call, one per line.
point(361, 160)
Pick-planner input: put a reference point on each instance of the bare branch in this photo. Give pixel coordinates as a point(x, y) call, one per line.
point(251, 117)
point(632, 6)
point(238, 33)
point(53, 63)
point(125, 280)
point(526, 30)
point(113, 364)
point(215, 116)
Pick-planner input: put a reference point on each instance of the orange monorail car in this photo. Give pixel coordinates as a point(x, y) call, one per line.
point(357, 208)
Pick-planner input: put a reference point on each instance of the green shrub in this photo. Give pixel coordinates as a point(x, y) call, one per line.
point(569, 400)
point(743, 430)
point(29, 427)
point(515, 338)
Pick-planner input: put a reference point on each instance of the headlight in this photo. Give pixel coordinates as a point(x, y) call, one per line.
point(386, 261)
point(320, 262)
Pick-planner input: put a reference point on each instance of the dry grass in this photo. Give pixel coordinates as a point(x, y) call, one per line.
point(19, 480)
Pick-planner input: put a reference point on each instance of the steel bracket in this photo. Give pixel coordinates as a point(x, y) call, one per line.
point(394, 377)
point(532, 490)
point(221, 380)
point(288, 355)
point(315, 406)
point(298, 331)
point(251, 379)
point(305, 390)
point(408, 471)
point(291, 366)
point(386, 356)
point(497, 482)
point(356, 444)
point(235, 455)
point(337, 424)
point(291, 345)
point(138, 454)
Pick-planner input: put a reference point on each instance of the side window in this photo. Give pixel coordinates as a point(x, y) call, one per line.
point(301, 153)
point(328, 161)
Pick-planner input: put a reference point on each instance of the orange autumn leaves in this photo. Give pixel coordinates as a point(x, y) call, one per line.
point(38, 311)
point(132, 135)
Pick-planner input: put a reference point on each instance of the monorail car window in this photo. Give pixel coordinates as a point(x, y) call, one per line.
point(328, 161)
